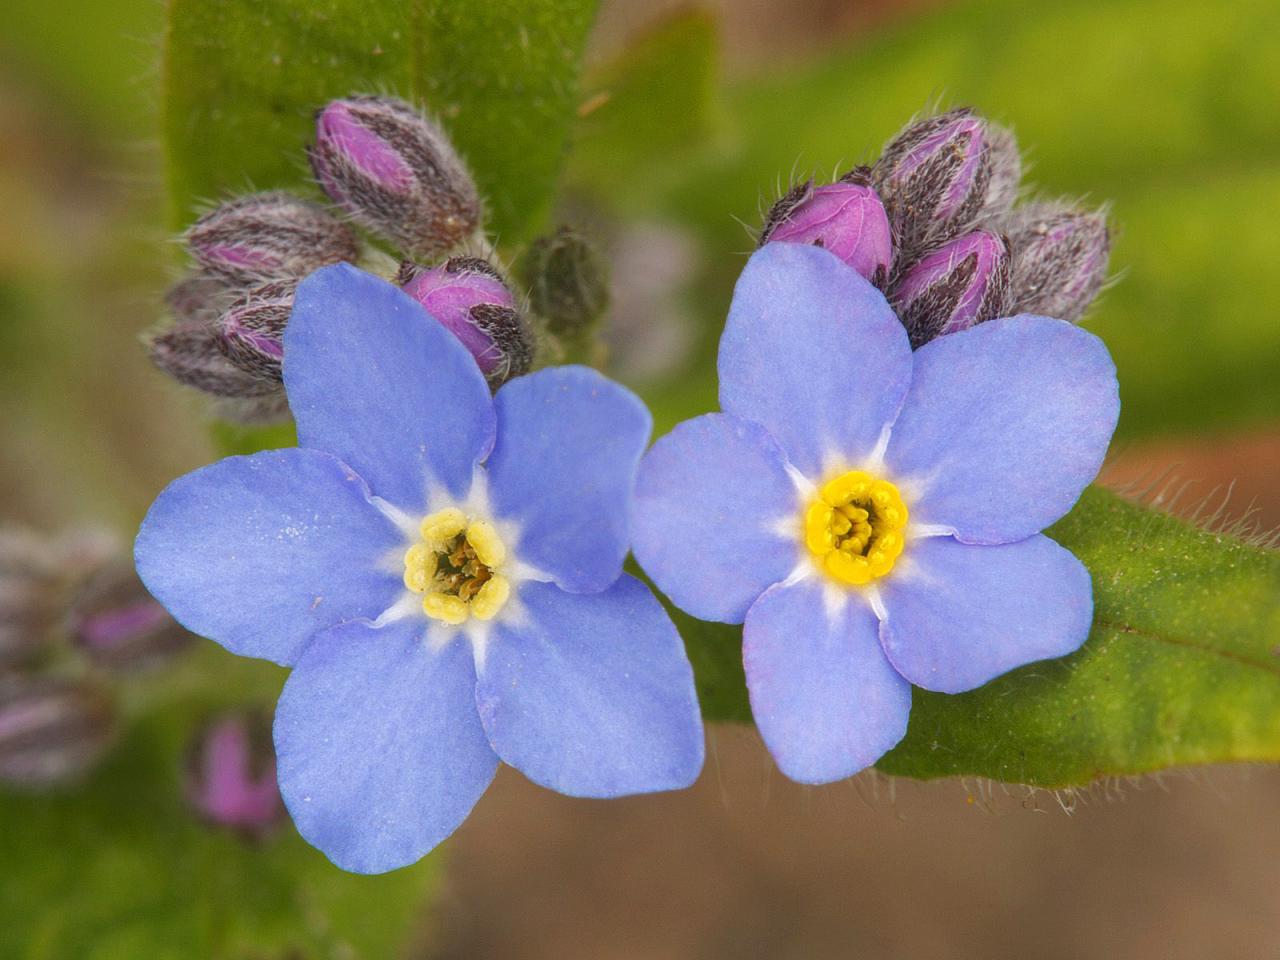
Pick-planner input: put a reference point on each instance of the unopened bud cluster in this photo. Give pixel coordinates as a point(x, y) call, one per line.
point(387, 169)
point(933, 224)
point(74, 619)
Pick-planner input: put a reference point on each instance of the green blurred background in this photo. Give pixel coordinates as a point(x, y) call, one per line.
point(689, 120)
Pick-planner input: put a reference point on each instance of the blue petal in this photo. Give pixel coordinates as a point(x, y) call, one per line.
point(379, 749)
point(1004, 426)
point(592, 695)
point(960, 615)
point(812, 351)
point(564, 467)
point(826, 700)
point(710, 499)
point(374, 380)
point(260, 553)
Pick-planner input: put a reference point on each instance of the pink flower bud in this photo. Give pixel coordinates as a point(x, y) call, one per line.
point(190, 353)
point(1059, 259)
point(957, 286)
point(52, 730)
point(467, 296)
point(396, 173)
point(942, 175)
point(251, 330)
point(846, 218)
point(117, 624)
point(30, 596)
point(269, 236)
point(231, 774)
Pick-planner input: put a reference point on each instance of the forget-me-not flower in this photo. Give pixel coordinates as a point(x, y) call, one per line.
point(442, 569)
point(872, 516)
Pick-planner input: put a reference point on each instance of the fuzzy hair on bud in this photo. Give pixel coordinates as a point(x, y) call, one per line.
point(845, 217)
point(199, 297)
point(52, 729)
point(962, 283)
point(396, 173)
point(269, 236)
point(1060, 259)
point(468, 297)
point(941, 176)
point(568, 282)
point(251, 330)
point(190, 353)
point(118, 625)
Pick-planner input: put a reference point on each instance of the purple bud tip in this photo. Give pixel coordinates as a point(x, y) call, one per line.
point(962, 283)
point(118, 625)
point(251, 330)
point(941, 176)
point(396, 173)
point(232, 775)
point(52, 730)
point(338, 127)
point(1059, 259)
point(466, 296)
point(269, 236)
point(846, 218)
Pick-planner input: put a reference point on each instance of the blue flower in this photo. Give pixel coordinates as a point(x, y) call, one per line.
point(442, 570)
point(872, 516)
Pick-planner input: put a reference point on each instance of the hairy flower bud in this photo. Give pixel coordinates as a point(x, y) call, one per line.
point(396, 173)
point(199, 297)
point(117, 624)
point(1006, 171)
point(52, 730)
point(941, 175)
point(231, 774)
point(251, 330)
point(30, 593)
point(190, 352)
point(845, 217)
point(957, 286)
point(269, 236)
point(1059, 259)
point(568, 282)
point(468, 296)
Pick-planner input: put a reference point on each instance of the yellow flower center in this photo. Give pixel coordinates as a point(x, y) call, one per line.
point(455, 567)
point(855, 527)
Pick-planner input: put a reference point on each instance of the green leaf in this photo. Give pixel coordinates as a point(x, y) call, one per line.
point(242, 79)
point(1182, 666)
point(120, 868)
point(503, 75)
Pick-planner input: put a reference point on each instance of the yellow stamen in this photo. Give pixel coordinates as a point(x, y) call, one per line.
point(443, 526)
point(484, 540)
point(455, 566)
point(490, 599)
point(446, 607)
point(855, 527)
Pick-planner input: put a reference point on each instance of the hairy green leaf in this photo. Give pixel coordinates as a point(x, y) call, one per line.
point(1182, 666)
point(242, 79)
